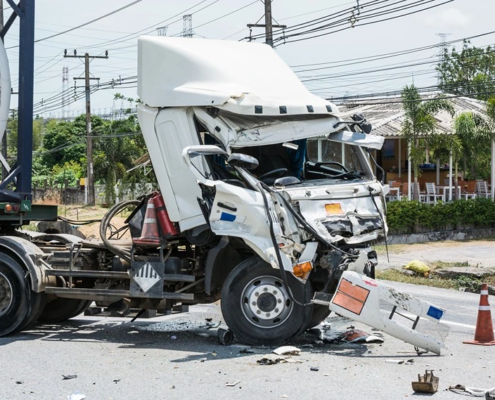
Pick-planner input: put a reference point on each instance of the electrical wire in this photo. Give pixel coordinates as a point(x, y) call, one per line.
point(85, 24)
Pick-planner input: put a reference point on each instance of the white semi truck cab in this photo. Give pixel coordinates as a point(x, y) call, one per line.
point(268, 201)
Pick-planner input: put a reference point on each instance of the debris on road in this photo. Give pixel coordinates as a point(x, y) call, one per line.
point(19, 382)
point(233, 384)
point(77, 395)
point(314, 369)
point(273, 361)
point(246, 351)
point(287, 351)
point(269, 361)
point(405, 362)
point(488, 394)
point(225, 336)
point(428, 383)
point(67, 377)
point(358, 336)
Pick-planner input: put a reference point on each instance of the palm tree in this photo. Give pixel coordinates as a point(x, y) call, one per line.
point(419, 124)
point(475, 132)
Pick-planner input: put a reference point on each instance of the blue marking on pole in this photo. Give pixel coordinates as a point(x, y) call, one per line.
point(227, 217)
point(434, 312)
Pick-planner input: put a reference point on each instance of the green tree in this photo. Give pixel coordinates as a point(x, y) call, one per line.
point(419, 123)
point(115, 151)
point(469, 72)
point(475, 133)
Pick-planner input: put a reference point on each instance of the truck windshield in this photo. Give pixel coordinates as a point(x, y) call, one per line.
point(337, 156)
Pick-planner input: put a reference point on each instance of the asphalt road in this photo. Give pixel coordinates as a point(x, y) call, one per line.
point(178, 357)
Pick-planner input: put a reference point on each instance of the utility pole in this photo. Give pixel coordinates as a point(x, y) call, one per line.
point(89, 139)
point(268, 25)
point(4, 137)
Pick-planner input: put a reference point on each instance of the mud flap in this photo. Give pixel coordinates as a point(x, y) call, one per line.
point(358, 297)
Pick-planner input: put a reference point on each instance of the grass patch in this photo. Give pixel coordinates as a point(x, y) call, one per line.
point(467, 282)
point(397, 276)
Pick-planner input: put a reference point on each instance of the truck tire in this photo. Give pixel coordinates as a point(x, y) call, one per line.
point(61, 309)
point(320, 313)
point(18, 304)
point(257, 306)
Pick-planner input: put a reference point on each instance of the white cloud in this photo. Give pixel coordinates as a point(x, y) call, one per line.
point(449, 18)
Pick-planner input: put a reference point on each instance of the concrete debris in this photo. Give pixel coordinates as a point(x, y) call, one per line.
point(287, 351)
point(472, 272)
point(67, 377)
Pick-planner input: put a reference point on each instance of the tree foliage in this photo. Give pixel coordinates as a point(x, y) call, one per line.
point(468, 72)
point(419, 125)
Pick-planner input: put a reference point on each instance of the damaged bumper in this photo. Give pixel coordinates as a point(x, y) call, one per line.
point(380, 306)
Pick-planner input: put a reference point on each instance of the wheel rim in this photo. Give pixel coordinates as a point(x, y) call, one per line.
point(265, 302)
point(5, 294)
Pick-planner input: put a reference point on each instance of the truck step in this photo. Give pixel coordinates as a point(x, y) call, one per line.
point(113, 275)
point(102, 294)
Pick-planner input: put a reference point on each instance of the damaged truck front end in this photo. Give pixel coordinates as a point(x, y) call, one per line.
point(271, 187)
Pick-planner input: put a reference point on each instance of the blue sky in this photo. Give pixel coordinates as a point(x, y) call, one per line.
point(459, 18)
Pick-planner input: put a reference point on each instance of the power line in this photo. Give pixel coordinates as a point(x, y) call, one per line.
point(85, 24)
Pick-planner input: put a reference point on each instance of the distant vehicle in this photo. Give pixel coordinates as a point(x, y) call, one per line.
point(268, 202)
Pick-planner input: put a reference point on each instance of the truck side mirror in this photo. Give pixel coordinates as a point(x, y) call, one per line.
point(243, 161)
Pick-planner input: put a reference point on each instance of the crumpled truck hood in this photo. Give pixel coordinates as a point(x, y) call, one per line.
point(342, 211)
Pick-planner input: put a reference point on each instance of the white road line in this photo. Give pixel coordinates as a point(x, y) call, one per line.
point(458, 324)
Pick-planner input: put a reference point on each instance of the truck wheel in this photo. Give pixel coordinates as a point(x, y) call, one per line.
point(15, 300)
point(61, 309)
point(320, 313)
point(257, 307)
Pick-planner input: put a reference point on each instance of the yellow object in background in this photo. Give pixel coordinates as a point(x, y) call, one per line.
point(419, 267)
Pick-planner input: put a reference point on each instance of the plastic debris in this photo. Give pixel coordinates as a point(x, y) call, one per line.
point(19, 382)
point(359, 336)
point(67, 377)
point(77, 395)
point(233, 383)
point(246, 351)
point(116, 381)
point(173, 337)
point(287, 351)
point(314, 369)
